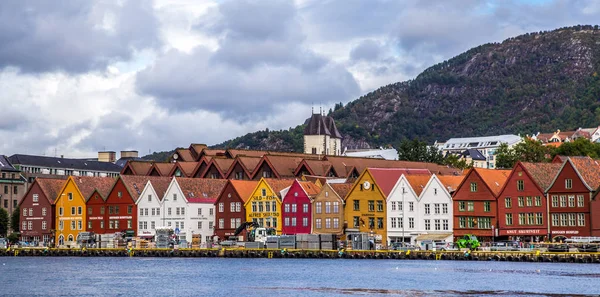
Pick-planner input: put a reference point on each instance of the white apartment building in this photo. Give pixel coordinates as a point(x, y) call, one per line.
point(150, 211)
point(486, 145)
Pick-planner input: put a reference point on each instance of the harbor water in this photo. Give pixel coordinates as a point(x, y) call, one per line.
point(76, 276)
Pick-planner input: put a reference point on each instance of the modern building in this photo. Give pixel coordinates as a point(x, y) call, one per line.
point(296, 208)
point(381, 153)
point(475, 203)
point(486, 145)
point(12, 185)
point(321, 136)
point(37, 211)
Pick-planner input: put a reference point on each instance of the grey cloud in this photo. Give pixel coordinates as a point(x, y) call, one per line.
point(45, 36)
point(368, 50)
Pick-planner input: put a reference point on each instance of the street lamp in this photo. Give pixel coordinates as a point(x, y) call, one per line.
point(164, 211)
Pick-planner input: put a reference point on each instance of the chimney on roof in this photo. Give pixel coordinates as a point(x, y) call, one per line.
point(62, 156)
point(129, 154)
point(107, 156)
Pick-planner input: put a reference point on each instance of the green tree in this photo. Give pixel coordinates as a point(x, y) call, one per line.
point(505, 157)
point(578, 147)
point(15, 219)
point(3, 222)
point(454, 161)
point(528, 150)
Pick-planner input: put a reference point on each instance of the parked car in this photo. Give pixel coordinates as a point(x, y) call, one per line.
point(504, 246)
point(447, 246)
point(558, 248)
point(402, 246)
point(3, 243)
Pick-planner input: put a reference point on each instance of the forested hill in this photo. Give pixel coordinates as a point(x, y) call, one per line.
point(534, 82)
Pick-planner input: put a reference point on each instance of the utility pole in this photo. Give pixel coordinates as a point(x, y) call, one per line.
point(403, 206)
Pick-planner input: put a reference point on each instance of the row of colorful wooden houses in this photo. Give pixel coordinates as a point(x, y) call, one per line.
point(533, 201)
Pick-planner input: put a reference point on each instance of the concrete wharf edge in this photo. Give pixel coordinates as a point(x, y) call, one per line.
point(535, 256)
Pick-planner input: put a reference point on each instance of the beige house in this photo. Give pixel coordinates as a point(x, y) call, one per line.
point(328, 209)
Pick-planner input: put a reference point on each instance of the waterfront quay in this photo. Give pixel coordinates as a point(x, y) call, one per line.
point(529, 256)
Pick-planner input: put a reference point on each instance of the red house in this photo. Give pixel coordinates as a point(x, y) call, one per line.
point(37, 210)
point(570, 194)
point(96, 212)
point(474, 203)
point(522, 203)
point(296, 207)
point(233, 197)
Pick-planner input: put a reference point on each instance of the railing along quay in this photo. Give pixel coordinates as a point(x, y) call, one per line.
point(520, 256)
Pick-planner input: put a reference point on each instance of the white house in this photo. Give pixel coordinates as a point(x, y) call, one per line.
point(150, 211)
point(402, 212)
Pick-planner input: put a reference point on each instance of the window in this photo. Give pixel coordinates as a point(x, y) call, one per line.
point(411, 223)
point(24, 212)
point(446, 225)
point(336, 223)
point(60, 225)
point(538, 201)
point(371, 205)
point(152, 224)
point(295, 207)
point(177, 211)
point(580, 219)
point(336, 207)
point(462, 222)
point(70, 195)
point(268, 206)
point(24, 225)
point(73, 210)
point(35, 197)
point(199, 225)
point(89, 225)
point(436, 208)
point(238, 206)
point(60, 211)
point(529, 201)
point(327, 223)
point(470, 222)
point(393, 223)
point(221, 207)
point(379, 206)
point(117, 224)
point(554, 201)
point(520, 185)
point(221, 223)
point(157, 211)
point(473, 187)
point(530, 219)
point(539, 218)
point(470, 206)
point(555, 220)
point(571, 200)
point(43, 211)
point(287, 207)
point(521, 201)
point(507, 202)
point(318, 223)
point(72, 225)
point(445, 208)
point(263, 192)
point(371, 223)
point(174, 197)
point(563, 201)
point(356, 221)
point(393, 205)
point(317, 207)
point(461, 205)
point(484, 223)
point(231, 207)
point(254, 208)
point(44, 225)
point(427, 209)
point(572, 219)
point(435, 191)
point(379, 223)
point(102, 210)
point(305, 222)
point(400, 206)
point(211, 211)
point(568, 183)
point(411, 206)
point(522, 219)
point(294, 222)
point(260, 206)
point(149, 198)
point(509, 219)
point(580, 201)
point(286, 222)
point(487, 206)
point(79, 210)
point(169, 211)
point(427, 224)
point(563, 219)
point(437, 224)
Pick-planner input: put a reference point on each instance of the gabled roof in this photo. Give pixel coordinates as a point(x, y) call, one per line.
point(88, 184)
point(221, 164)
point(588, 169)
point(386, 178)
point(248, 164)
point(493, 178)
point(201, 190)
point(319, 124)
point(418, 182)
point(309, 188)
point(450, 182)
point(541, 173)
point(341, 190)
point(135, 184)
point(160, 185)
point(184, 155)
point(314, 167)
point(163, 168)
point(186, 168)
point(343, 166)
point(244, 188)
point(196, 149)
point(5, 165)
point(137, 167)
point(62, 163)
point(50, 187)
point(278, 184)
point(283, 166)
point(233, 153)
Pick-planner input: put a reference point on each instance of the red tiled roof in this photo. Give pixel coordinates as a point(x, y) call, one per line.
point(140, 167)
point(310, 188)
point(245, 153)
point(542, 173)
point(344, 165)
point(88, 184)
point(386, 178)
point(244, 188)
point(279, 184)
point(418, 182)
point(201, 190)
point(164, 168)
point(450, 182)
point(223, 164)
point(196, 149)
point(284, 166)
point(588, 169)
point(135, 184)
point(187, 168)
point(493, 178)
point(50, 187)
point(185, 155)
point(342, 189)
point(160, 185)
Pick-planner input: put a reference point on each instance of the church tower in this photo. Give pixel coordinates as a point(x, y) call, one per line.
point(321, 136)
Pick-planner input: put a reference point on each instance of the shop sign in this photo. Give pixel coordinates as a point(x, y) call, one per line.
point(558, 232)
point(523, 231)
point(264, 214)
point(258, 198)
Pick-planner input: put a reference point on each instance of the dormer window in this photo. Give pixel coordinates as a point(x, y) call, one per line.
point(264, 192)
point(568, 183)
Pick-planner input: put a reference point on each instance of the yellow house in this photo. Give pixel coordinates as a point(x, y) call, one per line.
point(71, 206)
point(365, 206)
point(264, 205)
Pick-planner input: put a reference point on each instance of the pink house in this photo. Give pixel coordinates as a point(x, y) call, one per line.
point(296, 207)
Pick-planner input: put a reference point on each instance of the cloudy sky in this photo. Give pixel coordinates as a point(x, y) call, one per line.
point(77, 76)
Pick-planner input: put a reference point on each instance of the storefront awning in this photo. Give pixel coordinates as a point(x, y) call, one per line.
point(437, 236)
